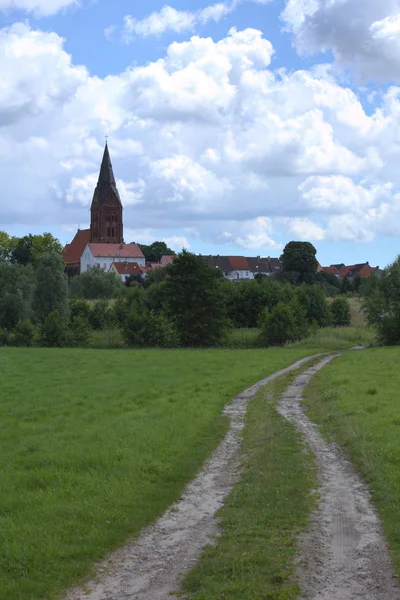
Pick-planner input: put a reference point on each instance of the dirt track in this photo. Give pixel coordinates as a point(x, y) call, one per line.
point(344, 555)
point(152, 567)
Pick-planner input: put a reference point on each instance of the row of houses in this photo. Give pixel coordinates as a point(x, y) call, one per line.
point(341, 271)
point(126, 260)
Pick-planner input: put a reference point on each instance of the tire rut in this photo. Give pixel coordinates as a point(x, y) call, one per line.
point(153, 565)
point(343, 555)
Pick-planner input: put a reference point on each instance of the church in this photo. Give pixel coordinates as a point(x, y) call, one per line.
point(103, 244)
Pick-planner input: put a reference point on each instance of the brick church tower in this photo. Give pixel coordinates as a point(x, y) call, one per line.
point(106, 225)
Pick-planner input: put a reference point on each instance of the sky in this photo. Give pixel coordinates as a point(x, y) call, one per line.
point(234, 127)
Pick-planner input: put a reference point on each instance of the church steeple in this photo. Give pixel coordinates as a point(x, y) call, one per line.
point(106, 211)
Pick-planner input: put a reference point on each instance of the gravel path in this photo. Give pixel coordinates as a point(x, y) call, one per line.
point(343, 556)
point(152, 566)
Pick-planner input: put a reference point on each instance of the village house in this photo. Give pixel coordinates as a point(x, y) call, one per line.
point(362, 270)
point(237, 268)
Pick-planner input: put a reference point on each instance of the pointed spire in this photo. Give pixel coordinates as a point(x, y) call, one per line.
point(106, 177)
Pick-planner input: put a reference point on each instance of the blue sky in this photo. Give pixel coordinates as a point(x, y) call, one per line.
point(234, 127)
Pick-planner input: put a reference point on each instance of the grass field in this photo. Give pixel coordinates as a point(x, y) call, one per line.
point(356, 399)
point(94, 445)
point(253, 559)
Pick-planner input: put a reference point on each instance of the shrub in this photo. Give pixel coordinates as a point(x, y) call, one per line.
point(24, 334)
point(54, 331)
point(286, 322)
point(340, 311)
point(134, 296)
point(3, 337)
point(79, 308)
point(100, 314)
point(80, 332)
point(147, 328)
point(312, 299)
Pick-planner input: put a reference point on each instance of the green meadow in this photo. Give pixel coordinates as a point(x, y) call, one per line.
point(94, 445)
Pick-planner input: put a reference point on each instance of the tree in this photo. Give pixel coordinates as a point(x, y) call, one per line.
point(155, 251)
point(195, 301)
point(312, 299)
point(7, 245)
point(16, 289)
point(382, 306)
point(51, 290)
point(96, 284)
point(30, 248)
point(299, 262)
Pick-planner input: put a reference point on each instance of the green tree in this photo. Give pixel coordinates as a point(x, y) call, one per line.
point(346, 286)
point(54, 331)
point(285, 323)
point(30, 248)
point(312, 299)
point(195, 300)
point(23, 335)
point(299, 264)
point(51, 290)
point(155, 251)
point(382, 306)
point(340, 310)
point(96, 284)
point(7, 245)
point(16, 289)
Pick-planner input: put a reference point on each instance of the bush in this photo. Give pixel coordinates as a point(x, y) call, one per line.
point(312, 299)
point(133, 296)
point(3, 337)
point(51, 290)
point(147, 328)
point(100, 314)
point(54, 331)
point(285, 323)
point(340, 311)
point(24, 334)
point(79, 308)
point(80, 332)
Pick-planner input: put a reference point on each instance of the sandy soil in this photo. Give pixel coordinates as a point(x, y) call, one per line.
point(343, 556)
point(153, 565)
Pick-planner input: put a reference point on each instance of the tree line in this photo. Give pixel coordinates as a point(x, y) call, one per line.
point(185, 304)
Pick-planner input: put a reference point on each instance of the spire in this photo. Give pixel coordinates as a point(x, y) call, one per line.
point(106, 178)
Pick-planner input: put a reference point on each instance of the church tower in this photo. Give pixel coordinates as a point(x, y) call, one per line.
point(106, 225)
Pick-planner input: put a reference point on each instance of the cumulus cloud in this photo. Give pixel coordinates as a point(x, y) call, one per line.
point(208, 142)
point(41, 8)
point(363, 35)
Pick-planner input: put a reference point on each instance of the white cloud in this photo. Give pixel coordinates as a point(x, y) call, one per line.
point(41, 8)
point(208, 138)
point(170, 19)
point(361, 34)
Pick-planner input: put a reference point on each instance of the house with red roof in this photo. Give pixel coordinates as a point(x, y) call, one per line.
point(125, 269)
point(104, 255)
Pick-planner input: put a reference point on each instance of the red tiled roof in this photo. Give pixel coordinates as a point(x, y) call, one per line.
point(238, 263)
point(73, 251)
point(167, 259)
point(351, 269)
point(366, 271)
point(116, 250)
point(127, 268)
point(152, 265)
point(332, 270)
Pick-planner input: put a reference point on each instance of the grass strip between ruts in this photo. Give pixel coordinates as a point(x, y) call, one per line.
point(270, 505)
